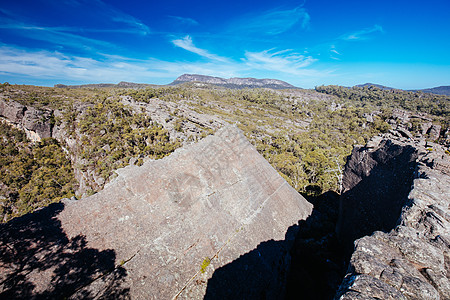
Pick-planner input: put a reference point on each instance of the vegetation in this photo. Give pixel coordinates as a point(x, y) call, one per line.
point(310, 157)
point(111, 134)
point(105, 134)
point(205, 264)
point(32, 175)
point(306, 135)
point(438, 105)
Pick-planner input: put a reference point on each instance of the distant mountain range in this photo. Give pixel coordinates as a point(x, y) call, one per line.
point(234, 83)
point(376, 85)
point(122, 84)
point(440, 90)
point(239, 83)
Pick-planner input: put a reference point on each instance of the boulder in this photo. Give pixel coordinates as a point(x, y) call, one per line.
point(425, 127)
point(434, 132)
point(12, 111)
point(36, 123)
point(171, 228)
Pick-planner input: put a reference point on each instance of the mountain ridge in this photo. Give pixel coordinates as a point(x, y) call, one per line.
point(234, 82)
point(368, 84)
point(122, 84)
point(439, 90)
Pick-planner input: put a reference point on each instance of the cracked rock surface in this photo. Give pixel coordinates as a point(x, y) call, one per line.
point(157, 231)
point(412, 261)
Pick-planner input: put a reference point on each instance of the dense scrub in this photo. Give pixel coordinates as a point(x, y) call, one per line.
point(306, 135)
point(438, 105)
point(104, 135)
point(312, 161)
point(310, 155)
point(32, 175)
point(111, 134)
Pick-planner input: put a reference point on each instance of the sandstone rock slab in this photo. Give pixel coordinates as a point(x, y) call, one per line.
point(159, 231)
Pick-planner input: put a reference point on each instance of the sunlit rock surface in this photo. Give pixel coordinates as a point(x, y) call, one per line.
point(411, 261)
point(36, 123)
point(158, 231)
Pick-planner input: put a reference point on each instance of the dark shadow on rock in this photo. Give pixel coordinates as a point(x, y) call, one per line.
point(317, 266)
point(307, 264)
point(258, 274)
point(375, 203)
point(39, 261)
point(319, 256)
point(378, 184)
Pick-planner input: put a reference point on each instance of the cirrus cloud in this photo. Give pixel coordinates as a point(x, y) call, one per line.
point(272, 22)
point(186, 43)
point(361, 34)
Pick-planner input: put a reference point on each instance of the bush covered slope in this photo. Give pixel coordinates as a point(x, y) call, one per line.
point(306, 135)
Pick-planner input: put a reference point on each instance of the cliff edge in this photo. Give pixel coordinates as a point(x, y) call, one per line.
point(411, 195)
point(159, 231)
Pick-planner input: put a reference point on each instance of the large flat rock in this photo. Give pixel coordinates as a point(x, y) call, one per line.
point(161, 230)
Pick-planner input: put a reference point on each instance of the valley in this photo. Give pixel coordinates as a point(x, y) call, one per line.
point(321, 166)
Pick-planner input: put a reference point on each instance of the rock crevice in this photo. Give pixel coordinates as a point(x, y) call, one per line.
point(215, 201)
point(411, 260)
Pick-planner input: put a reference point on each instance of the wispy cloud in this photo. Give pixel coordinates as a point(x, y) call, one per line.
point(75, 37)
point(272, 22)
point(284, 61)
point(55, 35)
point(334, 53)
point(361, 34)
point(333, 49)
point(184, 20)
point(58, 67)
point(187, 44)
point(71, 35)
point(113, 14)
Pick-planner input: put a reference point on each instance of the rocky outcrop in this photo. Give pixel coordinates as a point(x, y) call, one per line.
point(376, 184)
point(36, 123)
point(234, 82)
point(163, 113)
point(411, 261)
point(434, 132)
point(166, 229)
point(415, 126)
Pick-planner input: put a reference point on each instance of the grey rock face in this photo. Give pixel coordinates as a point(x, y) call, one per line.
point(376, 184)
point(434, 132)
point(12, 111)
point(32, 120)
point(164, 229)
point(234, 82)
point(412, 261)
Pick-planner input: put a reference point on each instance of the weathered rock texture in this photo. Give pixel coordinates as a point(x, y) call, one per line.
point(36, 123)
point(234, 82)
point(160, 230)
point(412, 261)
point(376, 184)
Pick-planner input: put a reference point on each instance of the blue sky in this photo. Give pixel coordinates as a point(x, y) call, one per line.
point(404, 44)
